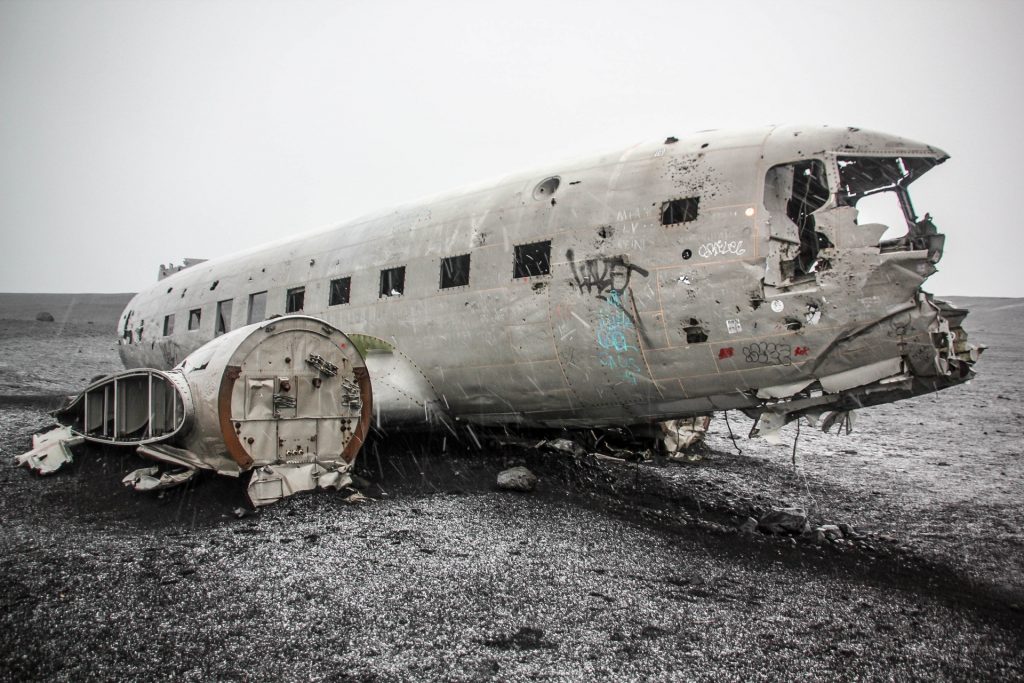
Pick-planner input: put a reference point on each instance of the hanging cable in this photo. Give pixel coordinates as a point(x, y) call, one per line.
point(795, 439)
point(731, 436)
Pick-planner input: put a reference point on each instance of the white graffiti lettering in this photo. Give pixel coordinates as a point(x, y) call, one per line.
point(634, 213)
point(721, 247)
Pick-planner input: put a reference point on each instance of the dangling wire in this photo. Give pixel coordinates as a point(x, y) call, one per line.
point(731, 436)
point(803, 477)
point(795, 439)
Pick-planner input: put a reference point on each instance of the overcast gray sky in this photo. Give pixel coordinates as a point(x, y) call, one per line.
point(135, 133)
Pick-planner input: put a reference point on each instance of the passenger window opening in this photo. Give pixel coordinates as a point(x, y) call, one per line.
point(341, 289)
point(295, 300)
point(257, 308)
point(223, 317)
point(194, 316)
point(392, 282)
point(677, 211)
point(455, 271)
point(532, 259)
point(168, 325)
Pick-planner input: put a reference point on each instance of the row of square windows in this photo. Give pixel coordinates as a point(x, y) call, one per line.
point(530, 260)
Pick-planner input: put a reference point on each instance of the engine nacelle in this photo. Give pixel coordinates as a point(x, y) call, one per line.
point(289, 397)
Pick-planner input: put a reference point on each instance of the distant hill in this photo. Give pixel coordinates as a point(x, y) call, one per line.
point(984, 303)
point(1003, 315)
point(99, 309)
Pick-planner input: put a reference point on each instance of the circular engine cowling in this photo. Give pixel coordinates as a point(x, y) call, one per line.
point(290, 390)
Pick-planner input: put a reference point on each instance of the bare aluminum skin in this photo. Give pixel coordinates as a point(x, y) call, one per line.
point(722, 270)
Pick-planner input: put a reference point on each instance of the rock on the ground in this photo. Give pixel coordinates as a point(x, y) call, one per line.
point(44, 317)
point(563, 445)
point(517, 479)
point(748, 526)
point(831, 531)
point(784, 521)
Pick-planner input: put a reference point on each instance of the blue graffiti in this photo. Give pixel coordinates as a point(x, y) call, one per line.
point(629, 366)
point(613, 325)
point(614, 328)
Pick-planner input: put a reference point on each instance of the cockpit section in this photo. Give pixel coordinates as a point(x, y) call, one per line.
point(818, 207)
point(865, 179)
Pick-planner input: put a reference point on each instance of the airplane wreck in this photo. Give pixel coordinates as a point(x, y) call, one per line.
point(724, 270)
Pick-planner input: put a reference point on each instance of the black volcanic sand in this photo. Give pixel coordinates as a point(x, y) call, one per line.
point(42, 359)
point(607, 571)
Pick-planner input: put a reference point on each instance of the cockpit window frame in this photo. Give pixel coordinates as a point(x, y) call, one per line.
point(904, 169)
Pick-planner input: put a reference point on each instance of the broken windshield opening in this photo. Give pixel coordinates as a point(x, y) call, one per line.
point(877, 188)
point(883, 208)
point(861, 177)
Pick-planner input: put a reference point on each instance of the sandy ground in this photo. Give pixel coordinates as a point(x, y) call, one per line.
point(608, 570)
point(49, 358)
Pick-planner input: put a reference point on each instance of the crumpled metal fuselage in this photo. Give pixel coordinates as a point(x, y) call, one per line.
point(722, 270)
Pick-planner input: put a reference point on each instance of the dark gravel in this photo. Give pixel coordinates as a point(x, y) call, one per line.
point(441, 577)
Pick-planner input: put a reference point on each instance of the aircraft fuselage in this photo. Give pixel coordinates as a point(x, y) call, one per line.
point(723, 270)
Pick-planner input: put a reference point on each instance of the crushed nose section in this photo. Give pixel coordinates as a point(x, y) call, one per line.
point(932, 352)
point(937, 353)
point(881, 338)
point(960, 354)
point(290, 396)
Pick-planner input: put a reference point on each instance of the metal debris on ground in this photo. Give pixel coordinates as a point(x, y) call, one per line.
point(151, 479)
point(50, 450)
point(271, 483)
point(682, 438)
point(563, 446)
point(610, 458)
